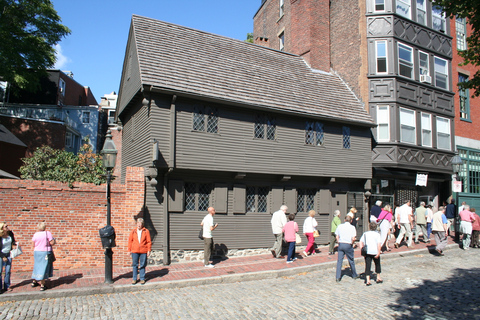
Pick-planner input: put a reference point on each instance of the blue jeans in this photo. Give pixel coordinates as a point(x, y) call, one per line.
point(139, 261)
point(8, 266)
point(345, 249)
point(429, 230)
point(291, 251)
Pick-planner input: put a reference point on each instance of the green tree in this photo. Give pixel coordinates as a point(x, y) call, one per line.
point(249, 37)
point(60, 165)
point(469, 9)
point(28, 31)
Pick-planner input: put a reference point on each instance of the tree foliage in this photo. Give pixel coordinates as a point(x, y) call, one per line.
point(249, 37)
point(60, 165)
point(28, 31)
point(469, 9)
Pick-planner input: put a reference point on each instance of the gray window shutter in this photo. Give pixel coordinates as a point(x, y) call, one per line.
point(239, 198)
point(291, 199)
point(277, 198)
point(221, 198)
point(325, 201)
point(175, 196)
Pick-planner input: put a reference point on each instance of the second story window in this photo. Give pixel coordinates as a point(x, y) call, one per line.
point(383, 121)
point(205, 119)
point(282, 8)
point(265, 127)
point(346, 137)
point(443, 133)
point(86, 117)
point(421, 12)
point(379, 5)
point(426, 130)
point(314, 133)
point(407, 126)
point(438, 19)
point(62, 87)
point(461, 31)
point(381, 56)
point(424, 67)
point(281, 39)
point(464, 97)
point(441, 73)
point(68, 140)
point(405, 61)
point(403, 8)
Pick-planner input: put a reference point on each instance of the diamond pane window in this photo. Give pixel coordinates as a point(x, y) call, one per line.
point(262, 199)
point(271, 129)
point(320, 135)
point(265, 127)
point(346, 137)
point(212, 121)
point(314, 133)
point(198, 121)
point(204, 197)
point(305, 200)
point(259, 127)
point(189, 196)
point(309, 136)
point(251, 199)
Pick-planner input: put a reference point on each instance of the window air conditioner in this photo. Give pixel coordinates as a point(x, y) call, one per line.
point(426, 79)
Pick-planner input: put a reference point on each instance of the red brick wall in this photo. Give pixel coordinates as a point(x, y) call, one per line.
point(464, 128)
point(74, 216)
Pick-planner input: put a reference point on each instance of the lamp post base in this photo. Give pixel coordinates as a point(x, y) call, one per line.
point(108, 266)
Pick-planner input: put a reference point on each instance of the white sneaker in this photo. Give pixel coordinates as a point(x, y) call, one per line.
point(209, 266)
point(291, 261)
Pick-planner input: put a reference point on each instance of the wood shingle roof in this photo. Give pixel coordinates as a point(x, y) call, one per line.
point(193, 62)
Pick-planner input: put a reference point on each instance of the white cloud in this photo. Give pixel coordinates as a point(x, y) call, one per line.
point(62, 60)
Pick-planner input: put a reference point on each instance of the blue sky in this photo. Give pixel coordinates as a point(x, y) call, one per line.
point(95, 49)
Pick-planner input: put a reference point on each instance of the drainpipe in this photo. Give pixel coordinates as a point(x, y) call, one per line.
point(171, 166)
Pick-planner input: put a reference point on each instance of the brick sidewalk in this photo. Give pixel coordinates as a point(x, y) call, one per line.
point(92, 280)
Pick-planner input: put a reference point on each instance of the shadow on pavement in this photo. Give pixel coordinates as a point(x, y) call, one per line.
point(149, 275)
point(456, 297)
point(64, 280)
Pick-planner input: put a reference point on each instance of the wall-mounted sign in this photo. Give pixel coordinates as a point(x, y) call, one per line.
point(421, 179)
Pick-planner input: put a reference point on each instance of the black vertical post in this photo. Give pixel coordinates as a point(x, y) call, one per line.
point(108, 251)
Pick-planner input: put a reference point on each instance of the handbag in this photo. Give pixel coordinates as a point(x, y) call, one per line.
point(297, 238)
point(50, 255)
point(16, 252)
point(200, 234)
point(316, 234)
point(363, 252)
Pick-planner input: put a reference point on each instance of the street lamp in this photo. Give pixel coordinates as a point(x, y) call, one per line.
point(457, 164)
point(109, 156)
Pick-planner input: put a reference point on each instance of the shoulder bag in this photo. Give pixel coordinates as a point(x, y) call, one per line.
point(364, 248)
point(50, 255)
point(16, 252)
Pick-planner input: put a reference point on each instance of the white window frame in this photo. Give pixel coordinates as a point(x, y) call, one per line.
point(426, 124)
point(378, 2)
point(424, 70)
point(461, 31)
point(422, 11)
point(439, 73)
point(383, 122)
point(282, 7)
point(62, 87)
point(406, 4)
point(281, 39)
point(439, 16)
point(443, 129)
point(378, 57)
point(408, 122)
point(85, 116)
point(409, 64)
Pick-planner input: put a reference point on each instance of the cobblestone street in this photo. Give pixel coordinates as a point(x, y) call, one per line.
point(421, 286)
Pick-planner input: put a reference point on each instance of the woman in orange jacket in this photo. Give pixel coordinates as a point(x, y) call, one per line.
point(140, 245)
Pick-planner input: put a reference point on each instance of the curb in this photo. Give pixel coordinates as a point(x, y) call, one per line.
point(231, 278)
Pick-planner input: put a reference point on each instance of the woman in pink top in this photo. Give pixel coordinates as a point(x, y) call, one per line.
point(475, 229)
point(42, 245)
point(466, 219)
point(289, 231)
point(385, 221)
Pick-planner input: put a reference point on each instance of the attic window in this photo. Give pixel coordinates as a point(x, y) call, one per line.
point(265, 127)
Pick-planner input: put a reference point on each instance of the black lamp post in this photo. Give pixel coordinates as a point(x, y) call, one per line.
point(457, 164)
point(109, 156)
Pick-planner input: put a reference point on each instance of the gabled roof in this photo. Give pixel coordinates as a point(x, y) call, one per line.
point(8, 137)
point(192, 62)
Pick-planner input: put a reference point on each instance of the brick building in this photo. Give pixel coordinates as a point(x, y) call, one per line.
point(396, 56)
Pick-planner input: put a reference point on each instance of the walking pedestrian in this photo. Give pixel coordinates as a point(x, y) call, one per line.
point(466, 220)
point(6, 245)
point(208, 227)
point(451, 214)
point(475, 230)
point(404, 221)
point(421, 222)
point(385, 221)
point(346, 235)
point(140, 247)
point(372, 240)
point(352, 213)
point(309, 227)
point(375, 211)
point(440, 229)
point(278, 221)
point(42, 247)
point(429, 214)
point(290, 230)
point(333, 238)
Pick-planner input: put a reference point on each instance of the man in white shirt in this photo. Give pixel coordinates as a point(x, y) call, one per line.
point(346, 234)
point(208, 227)
point(404, 220)
point(279, 220)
